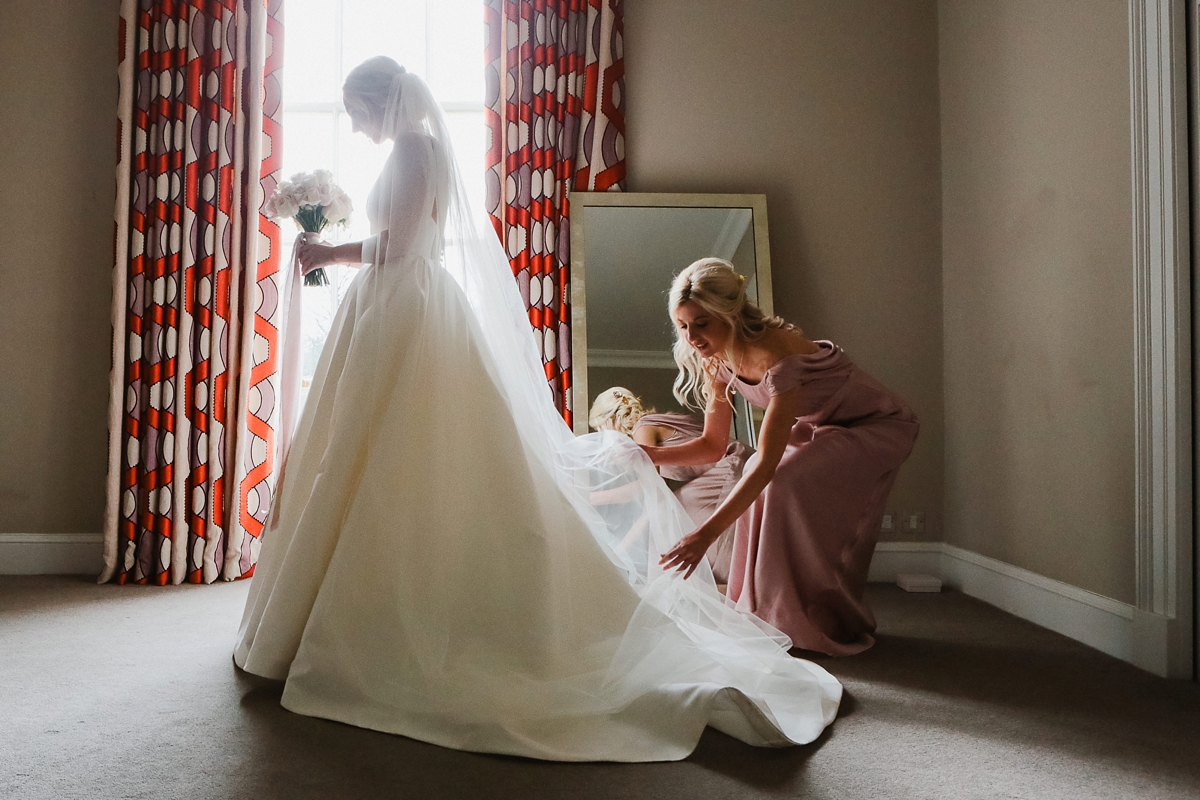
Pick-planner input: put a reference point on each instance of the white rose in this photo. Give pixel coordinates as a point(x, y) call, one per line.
point(326, 192)
point(338, 210)
point(285, 190)
point(346, 202)
point(286, 207)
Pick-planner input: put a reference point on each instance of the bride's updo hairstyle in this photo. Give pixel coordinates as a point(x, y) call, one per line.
point(715, 286)
point(370, 86)
point(616, 409)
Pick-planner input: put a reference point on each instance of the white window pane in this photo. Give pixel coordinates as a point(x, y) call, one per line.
point(307, 142)
point(440, 40)
point(359, 164)
point(320, 305)
point(456, 50)
point(467, 136)
point(394, 28)
point(310, 67)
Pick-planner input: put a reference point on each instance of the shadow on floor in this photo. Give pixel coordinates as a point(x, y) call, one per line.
point(322, 753)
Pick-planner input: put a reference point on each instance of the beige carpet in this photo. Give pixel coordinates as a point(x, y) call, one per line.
point(110, 691)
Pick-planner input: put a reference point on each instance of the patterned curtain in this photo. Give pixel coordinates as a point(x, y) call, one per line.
point(195, 290)
point(555, 92)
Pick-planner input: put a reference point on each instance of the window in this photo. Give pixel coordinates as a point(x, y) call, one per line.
point(440, 40)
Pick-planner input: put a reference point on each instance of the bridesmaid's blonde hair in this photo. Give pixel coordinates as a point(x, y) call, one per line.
point(715, 286)
point(616, 409)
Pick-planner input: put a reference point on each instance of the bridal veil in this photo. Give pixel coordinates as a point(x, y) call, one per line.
point(445, 560)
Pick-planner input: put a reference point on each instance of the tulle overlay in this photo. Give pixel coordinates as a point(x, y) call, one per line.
point(705, 486)
point(444, 560)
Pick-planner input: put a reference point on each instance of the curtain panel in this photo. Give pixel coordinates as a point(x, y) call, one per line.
point(554, 95)
point(196, 307)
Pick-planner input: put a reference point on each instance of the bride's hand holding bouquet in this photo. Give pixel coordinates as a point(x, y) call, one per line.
point(314, 202)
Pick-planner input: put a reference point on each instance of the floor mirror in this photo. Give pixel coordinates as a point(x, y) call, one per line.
point(625, 250)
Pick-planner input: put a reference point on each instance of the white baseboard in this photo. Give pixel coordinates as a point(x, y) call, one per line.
point(51, 553)
point(1095, 620)
point(892, 558)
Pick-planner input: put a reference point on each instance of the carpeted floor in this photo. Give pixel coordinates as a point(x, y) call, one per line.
point(110, 691)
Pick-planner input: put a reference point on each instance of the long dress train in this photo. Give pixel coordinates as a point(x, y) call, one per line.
point(441, 561)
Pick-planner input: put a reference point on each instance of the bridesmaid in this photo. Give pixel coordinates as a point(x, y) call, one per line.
point(809, 505)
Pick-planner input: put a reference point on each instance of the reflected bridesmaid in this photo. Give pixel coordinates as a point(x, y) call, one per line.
point(700, 488)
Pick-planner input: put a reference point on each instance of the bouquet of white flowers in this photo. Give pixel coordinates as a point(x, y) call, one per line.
point(314, 201)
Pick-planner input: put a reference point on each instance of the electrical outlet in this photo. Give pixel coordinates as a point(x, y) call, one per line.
point(889, 523)
point(915, 522)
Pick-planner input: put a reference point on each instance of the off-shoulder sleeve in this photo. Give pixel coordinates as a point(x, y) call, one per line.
point(780, 378)
point(407, 185)
point(724, 374)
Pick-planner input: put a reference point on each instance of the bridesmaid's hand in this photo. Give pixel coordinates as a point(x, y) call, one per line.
point(313, 256)
point(688, 552)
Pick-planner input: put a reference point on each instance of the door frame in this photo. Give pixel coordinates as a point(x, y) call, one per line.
point(1164, 448)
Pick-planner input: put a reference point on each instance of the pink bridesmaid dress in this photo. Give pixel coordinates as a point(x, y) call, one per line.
point(802, 551)
point(706, 486)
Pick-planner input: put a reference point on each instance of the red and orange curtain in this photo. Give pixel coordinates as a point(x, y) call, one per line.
point(196, 291)
point(554, 96)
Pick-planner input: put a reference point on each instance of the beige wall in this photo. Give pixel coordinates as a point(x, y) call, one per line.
point(58, 98)
point(831, 109)
point(1038, 286)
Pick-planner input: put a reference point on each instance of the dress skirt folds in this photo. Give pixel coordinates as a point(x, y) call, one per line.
point(439, 566)
point(802, 551)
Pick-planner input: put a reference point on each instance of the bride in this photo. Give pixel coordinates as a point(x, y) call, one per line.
point(439, 562)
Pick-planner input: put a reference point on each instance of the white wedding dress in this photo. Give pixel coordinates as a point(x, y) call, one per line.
point(444, 560)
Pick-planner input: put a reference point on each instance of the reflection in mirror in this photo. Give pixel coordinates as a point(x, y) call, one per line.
point(626, 249)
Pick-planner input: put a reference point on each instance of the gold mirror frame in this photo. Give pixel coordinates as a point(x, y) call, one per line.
point(581, 201)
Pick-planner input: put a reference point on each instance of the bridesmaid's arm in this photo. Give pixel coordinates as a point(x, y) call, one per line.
point(705, 450)
point(650, 435)
point(781, 415)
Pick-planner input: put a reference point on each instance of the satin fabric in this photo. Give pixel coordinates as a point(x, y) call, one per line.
point(802, 551)
point(445, 561)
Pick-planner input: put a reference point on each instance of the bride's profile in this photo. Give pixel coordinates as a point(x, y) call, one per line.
point(436, 563)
